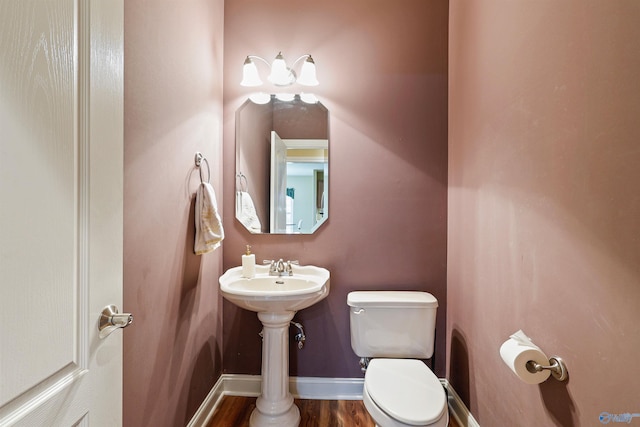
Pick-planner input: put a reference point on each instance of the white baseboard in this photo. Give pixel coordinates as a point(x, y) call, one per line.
point(309, 388)
point(209, 405)
point(326, 388)
point(457, 408)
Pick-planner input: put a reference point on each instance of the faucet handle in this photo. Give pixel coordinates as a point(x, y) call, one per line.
point(272, 265)
point(289, 269)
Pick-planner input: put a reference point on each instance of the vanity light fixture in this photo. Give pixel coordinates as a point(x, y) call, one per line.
point(281, 74)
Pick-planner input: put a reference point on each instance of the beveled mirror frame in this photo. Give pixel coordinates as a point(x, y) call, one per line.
point(304, 128)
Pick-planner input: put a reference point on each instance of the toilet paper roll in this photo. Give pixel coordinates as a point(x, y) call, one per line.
point(517, 351)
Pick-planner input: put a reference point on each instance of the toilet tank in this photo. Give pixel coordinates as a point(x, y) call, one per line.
point(398, 324)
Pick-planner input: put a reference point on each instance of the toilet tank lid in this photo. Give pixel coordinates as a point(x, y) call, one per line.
point(382, 299)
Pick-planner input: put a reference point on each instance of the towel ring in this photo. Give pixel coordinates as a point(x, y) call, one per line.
point(241, 177)
point(198, 160)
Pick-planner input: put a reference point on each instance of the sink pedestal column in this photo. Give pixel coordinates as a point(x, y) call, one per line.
point(274, 407)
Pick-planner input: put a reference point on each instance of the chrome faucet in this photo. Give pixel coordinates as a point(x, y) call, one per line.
point(280, 267)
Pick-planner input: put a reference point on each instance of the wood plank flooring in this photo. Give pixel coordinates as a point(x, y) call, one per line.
point(234, 411)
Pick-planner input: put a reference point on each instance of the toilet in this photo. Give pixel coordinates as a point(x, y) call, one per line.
point(396, 329)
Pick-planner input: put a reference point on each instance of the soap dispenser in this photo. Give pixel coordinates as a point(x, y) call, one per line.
point(248, 264)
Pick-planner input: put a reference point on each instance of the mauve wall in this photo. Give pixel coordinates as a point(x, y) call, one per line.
point(383, 74)
point(544, 207)
point(173, 108)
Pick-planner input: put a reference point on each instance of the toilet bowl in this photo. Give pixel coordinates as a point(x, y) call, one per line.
point(396, 330)
point(403, 393)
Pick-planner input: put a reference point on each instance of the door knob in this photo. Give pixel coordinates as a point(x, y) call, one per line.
point(111, 319)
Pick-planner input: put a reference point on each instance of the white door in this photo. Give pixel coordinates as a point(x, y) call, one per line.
point(61, 80)
point(278, 200)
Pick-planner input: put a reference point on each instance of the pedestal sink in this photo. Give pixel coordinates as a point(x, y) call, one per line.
point(276, 300)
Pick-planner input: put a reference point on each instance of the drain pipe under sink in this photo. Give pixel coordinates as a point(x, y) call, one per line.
point(300, 337)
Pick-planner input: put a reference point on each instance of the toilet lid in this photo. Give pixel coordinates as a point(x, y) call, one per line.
point(406, 389)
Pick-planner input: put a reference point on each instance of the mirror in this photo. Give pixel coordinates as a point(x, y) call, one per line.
point(282, 166)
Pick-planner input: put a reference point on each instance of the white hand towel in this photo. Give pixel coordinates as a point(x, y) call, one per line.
point(209, 231)
point(246, 212)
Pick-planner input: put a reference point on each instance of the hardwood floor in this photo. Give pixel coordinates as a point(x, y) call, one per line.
point(234, 411)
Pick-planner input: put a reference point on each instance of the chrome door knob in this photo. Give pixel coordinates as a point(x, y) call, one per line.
point(111, 319)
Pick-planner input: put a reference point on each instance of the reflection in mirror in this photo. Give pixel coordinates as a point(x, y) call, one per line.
point(282, 166)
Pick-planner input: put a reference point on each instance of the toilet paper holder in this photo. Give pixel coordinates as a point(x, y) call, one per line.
point(556, 365)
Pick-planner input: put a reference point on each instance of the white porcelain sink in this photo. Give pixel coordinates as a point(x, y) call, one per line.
point(265, 293)
point(276, 300)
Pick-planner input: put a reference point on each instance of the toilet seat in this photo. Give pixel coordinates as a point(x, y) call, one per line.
point(406, 390)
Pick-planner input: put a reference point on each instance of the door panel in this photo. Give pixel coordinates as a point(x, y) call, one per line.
point(278, 199)
point(39, 175)
point(61, 214)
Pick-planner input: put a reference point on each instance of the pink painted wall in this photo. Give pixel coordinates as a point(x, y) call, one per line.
point(173, 108)
point(388, 155)
point(544, 207)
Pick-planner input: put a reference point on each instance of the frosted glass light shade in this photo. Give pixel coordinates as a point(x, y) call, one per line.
point(250, 77)
point(280, 74)
point(260, 98)
point(309, 98)
point(287, 97)
point(308, 73)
